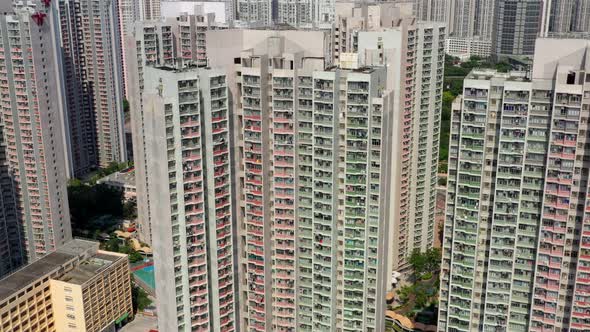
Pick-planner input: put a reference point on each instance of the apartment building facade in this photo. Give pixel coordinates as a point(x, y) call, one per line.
point(515, 28)
point(172, 43)
point(317, 261)
point(414, 55)
point(465, 48)
point(34, 140)
point(565, 17)
point(469, 22)
point(298, 14)
point(515, 250)
point(254, 12)
point(307, 183)
point(92, 49)
point(175, 42)
point(150, 9)
point(76, 288)
point(181, 129)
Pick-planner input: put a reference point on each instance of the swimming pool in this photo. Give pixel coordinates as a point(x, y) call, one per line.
point(146, 274)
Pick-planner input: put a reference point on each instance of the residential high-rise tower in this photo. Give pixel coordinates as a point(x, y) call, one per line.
point(565, 17)
point(92, 65)
point(310, 141)
point(414, 55)
point(515, 28)
point(516, 250)
point(34, 142)
point(298, 14)
point(181, 133)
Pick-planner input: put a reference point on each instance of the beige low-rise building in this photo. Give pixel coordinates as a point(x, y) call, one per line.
point(77, 288)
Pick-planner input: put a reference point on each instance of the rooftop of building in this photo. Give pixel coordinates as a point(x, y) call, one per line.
point(552, 53)
point(53, 264)
point(90, 267)
point(26, 276)
point(124, 177)
point(487, 74)
point(361, 69)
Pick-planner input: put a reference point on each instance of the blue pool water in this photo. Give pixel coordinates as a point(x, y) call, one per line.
point(146, 275)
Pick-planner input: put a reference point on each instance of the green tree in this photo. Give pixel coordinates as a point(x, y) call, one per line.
point(139, 299)
point(425, 262)
point(129, 210)
point(112, 244)
point(418, 261)
point(433, 258)
point(503, 67)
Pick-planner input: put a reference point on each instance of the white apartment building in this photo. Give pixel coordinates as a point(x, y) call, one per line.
point(465, 48)
point(149, 9)
point(93, 72)
point(310, 142)
point(312, 183)
point(516, 253)
point(182, 139)
point(254, 13)
point(35, 214)
point(414, 55)
point(172, 43)
point(470, 23)
point(298, 14)
point(175, 41)
point(223, 10)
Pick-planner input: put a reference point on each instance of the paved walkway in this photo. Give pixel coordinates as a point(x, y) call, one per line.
point(141, 323)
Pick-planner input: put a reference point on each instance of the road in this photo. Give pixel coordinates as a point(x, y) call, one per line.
point(141, 323)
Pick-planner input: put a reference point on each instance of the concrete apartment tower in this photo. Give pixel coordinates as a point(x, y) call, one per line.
point(414, 55)
point(312, 147)
point(150, 9)
point(254, 12)
point(129, 11)
point(173, 43)
point(92, 68)
point(516, 250)
point(470, 26)
point(515, 28)
point(565, 17)
point(34, 200)
point(181, 133)
point(298, 14)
